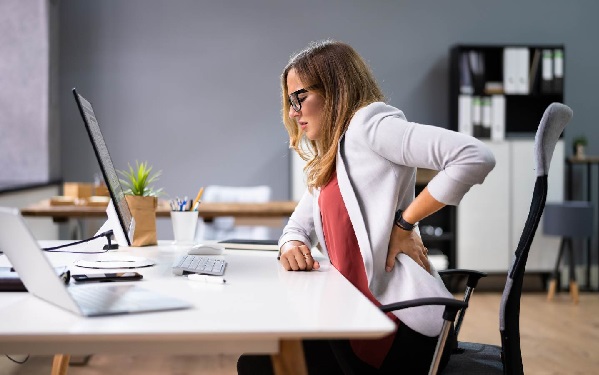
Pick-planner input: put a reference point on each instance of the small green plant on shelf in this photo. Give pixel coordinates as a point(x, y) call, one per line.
point(579, 143)
point(138, 181)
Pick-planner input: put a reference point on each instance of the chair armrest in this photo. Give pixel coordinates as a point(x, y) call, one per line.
point(473, 276)
point(452, 306)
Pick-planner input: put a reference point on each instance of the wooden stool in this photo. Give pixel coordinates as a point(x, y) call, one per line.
point(572, 271)
point(568, 220)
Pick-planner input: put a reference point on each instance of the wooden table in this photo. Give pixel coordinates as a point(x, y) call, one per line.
point(208, 211)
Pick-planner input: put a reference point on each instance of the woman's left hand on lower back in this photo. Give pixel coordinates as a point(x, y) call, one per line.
point(409, 243)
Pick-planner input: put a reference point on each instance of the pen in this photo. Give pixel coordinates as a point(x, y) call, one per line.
point(206, 278)
point(196, 205)
point(198, 197)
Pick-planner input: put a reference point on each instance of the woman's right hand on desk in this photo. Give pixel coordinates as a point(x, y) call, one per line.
point(296, 256)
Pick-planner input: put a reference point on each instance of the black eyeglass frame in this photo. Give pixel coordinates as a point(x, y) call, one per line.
point(297, 104)
point(295, 95)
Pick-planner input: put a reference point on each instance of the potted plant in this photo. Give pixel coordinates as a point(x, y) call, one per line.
point(142, 198)
point(579, 143)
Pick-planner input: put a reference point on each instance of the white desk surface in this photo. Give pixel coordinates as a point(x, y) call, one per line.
point(259, 305)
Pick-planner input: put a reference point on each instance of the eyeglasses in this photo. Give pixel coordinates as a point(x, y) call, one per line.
point(295, 101)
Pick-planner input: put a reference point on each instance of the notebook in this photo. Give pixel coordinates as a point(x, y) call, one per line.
point(243, 244)
point(38, 275)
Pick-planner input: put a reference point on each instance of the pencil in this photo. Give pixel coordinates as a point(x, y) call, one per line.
point(198, 197)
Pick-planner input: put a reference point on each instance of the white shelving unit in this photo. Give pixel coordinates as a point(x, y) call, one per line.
point(491, 216)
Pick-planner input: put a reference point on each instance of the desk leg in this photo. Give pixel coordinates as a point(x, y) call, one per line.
point(590, 239)
point(290, 360)
point(60, 365)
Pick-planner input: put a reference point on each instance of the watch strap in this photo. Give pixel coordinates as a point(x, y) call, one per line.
point(403, 224)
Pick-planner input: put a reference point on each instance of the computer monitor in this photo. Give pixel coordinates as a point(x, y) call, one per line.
point(120, 219)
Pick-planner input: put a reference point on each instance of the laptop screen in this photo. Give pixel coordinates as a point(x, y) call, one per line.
point(101, 151)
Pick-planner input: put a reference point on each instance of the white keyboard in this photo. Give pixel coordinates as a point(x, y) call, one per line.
point(199, 264)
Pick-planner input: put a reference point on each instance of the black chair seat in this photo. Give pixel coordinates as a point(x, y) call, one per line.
point(475, 359)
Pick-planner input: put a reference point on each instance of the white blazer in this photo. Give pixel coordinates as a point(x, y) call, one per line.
point(376, 168)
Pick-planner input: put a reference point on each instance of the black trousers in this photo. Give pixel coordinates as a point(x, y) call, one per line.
point(410, 353)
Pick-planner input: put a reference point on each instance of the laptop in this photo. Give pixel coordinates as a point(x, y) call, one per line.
point(39, 276)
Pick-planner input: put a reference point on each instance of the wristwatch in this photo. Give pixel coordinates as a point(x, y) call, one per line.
point(400, 222)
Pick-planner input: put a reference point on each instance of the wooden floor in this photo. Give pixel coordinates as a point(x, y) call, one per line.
point(557, 338)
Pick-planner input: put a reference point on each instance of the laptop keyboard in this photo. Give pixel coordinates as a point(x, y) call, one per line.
point(101, 300)
point(105, 298)
point(199, 264)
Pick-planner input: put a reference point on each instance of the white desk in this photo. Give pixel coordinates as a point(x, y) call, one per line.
point(260, 307)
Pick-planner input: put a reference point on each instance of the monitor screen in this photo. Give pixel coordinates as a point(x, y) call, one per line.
point(110, 175)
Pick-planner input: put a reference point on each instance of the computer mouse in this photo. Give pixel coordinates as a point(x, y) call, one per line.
point(206, 249)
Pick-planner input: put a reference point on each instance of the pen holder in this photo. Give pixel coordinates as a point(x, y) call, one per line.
point(184, 226)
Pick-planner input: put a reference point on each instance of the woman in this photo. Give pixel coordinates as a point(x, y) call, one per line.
point(362, 156)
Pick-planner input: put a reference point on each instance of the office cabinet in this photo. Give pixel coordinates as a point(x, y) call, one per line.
point(498, 93)
point(483, 218)
point(491, 216)
point(501, 91)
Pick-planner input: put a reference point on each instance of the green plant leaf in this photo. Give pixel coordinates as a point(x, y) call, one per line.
point(137, 180)
point(580, 140)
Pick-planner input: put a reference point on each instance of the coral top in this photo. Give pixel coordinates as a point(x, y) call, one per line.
point(345, 256)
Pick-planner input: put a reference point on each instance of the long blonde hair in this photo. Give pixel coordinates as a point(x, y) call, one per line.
point(335, 71)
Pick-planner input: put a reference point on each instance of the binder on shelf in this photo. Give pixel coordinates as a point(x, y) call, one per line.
point(497, 118)
point(476, 117)
point(516, 63)
point(509, 70)
point(486, 116)
point(477, 69)
point(465, 75)
point(547, 75)
point(558, 71)
point(522, 66)
point(465, 114)
point(534, 73)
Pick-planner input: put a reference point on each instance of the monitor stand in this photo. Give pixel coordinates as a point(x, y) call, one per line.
point(113, 223)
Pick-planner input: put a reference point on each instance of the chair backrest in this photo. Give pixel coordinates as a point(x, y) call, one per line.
point(552, 124)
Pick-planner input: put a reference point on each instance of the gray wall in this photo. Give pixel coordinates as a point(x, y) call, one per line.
point(193, 86)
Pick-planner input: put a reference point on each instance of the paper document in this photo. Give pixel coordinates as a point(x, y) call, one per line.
point(251, 244)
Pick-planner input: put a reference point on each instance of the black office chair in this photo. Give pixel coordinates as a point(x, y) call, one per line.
point(472, 278)
point(474, 358)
